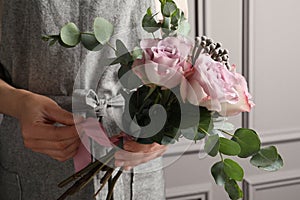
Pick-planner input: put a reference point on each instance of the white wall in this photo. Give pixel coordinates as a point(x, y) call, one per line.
point(263, 38)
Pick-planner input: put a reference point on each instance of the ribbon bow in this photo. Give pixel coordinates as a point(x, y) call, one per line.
point(87, 102)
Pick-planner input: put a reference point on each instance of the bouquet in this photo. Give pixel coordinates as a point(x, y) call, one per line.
point(174, 87)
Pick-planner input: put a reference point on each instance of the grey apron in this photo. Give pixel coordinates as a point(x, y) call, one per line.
point(51, 71)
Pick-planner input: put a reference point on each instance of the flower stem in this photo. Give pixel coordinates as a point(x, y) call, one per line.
point(221, 156)
point(227, 133)
point(115, 179)
point(204, 131)
point(108, 44)
point(104, 180)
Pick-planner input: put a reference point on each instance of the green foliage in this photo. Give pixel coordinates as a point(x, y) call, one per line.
point(278, 164)
point(233, 170)
point(205, 123)
point(229, 147)
point(233, 189)
point(217, 171)
point(184, 28)
point(248, 141)
point(267, 159)
point(103, 30)
point(70, 34)
point(90, 42)
point(192, 133)
point(168, 8)
point(212, 145)
point(149, 24)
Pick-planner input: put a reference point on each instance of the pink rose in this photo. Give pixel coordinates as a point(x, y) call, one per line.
point(213, 86)
point(165, 61)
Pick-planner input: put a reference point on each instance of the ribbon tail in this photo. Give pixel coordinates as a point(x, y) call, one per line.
point(83, 156)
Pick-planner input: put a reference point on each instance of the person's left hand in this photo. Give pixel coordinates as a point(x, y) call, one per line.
point(135, 153)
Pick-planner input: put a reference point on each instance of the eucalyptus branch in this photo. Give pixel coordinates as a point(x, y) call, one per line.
point(227, 133)
point(108, 44)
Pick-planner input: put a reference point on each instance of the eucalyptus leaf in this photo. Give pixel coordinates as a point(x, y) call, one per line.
point(184, 28)
point(192, 133)
point(233, 190)
point(205, 123)
point(233, 170)
point(149, 24)
point(168, 8)
point(278, 164)
point(265, 157)
point(121, 48)
point(190, 116)
point(70, 34)
point(217, 171)
point(137, 53)
point(90, 42)
point(248, 141)
point(167, 140)
point(229, 147)
point(212, 145)
point(103, 30)
point(128, 78)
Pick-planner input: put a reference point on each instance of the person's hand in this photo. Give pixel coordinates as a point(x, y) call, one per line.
point(135, 154)
point(38, 116)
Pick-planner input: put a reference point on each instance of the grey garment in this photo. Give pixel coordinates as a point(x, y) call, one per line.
point(51, 71)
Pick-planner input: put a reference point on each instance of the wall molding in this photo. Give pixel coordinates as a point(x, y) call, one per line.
point(281, 136)
point(190, 192)
point(254, 184)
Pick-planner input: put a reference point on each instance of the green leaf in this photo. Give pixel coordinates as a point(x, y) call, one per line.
point(70, 34)
point(192, 134)
point(233, 170)
point(121, 48)
point(168, 9)
point(217, 171)
point(167, 140)
point(63, 44)
point(212, 145)
point(229, 147)
point(184, 28)
point(233, 190)
point(149, 24)
point(189, 115)
point(175, 17)
point(149, 11)
point(248, 141)
point(103, 30)
point(90, 42)
point(205, 123)
point(265, 157)
point(278, 164)
point(137, 53)
point(128, 78)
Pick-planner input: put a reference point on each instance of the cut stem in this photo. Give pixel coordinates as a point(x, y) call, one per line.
point(104, 180)
point(115, 179)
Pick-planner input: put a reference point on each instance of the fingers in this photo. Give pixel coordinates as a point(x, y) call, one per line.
point(49, 132)
point(140, 153)
point(59, 115)
point(60, 151)
point(133, 146)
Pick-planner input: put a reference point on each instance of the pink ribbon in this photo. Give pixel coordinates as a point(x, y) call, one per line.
point(91, 128)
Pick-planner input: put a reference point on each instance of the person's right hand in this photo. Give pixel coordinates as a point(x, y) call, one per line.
point(38, 116)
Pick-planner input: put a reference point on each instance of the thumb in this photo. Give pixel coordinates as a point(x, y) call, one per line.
point(59, 115)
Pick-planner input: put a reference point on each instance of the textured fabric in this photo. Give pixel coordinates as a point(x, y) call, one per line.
point(51, 71)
